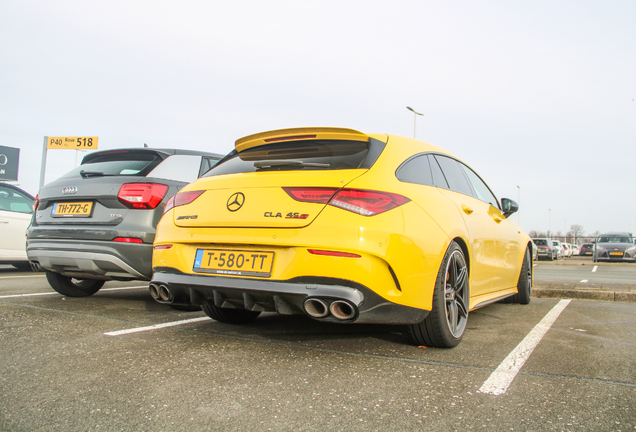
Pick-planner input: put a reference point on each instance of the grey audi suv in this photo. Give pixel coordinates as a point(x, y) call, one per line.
point(97, 222)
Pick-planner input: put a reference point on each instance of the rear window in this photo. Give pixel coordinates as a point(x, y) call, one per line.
point(541, 242)
point(301, 156)
point(117, 163)
point(615, 239)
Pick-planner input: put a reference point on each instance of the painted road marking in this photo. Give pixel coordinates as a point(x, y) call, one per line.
point(502, 377)
point(55, 293)
point(584, 280)
point(16, 277)
point(594, 269)
point(156, 326)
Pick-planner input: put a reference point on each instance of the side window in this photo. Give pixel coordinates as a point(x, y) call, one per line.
point(481, 189)
point(416, 170)
point(206, 164)
point(455, 177)
point(14, 201)
point(184, 168)
point(438, 176)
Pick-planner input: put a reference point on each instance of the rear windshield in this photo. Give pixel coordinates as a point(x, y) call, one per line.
point(541, 242)
point(615, 239)
point(301, 156)
point(117, 163)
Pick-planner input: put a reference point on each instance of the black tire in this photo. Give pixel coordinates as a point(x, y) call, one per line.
point(524, 285)
point(71, 287)
point(444, 326)
point(230, 316)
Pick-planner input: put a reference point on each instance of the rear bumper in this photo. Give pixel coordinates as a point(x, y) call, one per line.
point(92, 259)
point(285, 297)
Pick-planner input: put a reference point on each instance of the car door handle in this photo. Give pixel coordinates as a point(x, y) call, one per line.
point(467, 209)
point(4, 221)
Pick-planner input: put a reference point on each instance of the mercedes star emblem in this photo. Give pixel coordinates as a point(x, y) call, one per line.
point(235, 202)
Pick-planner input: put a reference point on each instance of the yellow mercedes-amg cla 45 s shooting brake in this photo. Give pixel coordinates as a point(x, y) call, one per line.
point(344, 227)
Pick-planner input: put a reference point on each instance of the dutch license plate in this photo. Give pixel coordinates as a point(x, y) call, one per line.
point(616, 253)
point(72, 209)
point(234, 262)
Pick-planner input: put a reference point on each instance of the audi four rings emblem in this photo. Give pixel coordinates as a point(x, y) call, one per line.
point(69, 190)
point(235, 202)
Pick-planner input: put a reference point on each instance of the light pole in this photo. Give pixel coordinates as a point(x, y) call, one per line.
point(415, 114)
point(550, 224)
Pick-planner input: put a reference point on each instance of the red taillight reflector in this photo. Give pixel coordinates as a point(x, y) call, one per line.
point(367, 202)
point(289, 138)
point(127, 240)
point(311, 194)
point(159, 247)
point(182, 198)
point(36, 203)
point(333, 253)
point(141, 195)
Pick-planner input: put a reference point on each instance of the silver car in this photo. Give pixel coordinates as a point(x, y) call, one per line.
point(618, 246)
point(97, 222)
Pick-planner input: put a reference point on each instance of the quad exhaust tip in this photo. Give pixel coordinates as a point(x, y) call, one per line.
point(340, 309)
point(161, 293)
point(316, 308)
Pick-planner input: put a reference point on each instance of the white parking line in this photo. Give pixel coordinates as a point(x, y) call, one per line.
point(584, 280)
point(54, 293)
point(502, 377)
point(16, 277)
point(156, 326)
point(594, 269)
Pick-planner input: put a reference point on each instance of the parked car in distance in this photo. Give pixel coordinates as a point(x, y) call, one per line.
point(587, 249)
point(567, 252)
point(98, 221)
point(16, 209)
point(575, 250)
point(545, 249)
point(535, 252)
point(617, 246)
point(557, 244)
point(345, 227)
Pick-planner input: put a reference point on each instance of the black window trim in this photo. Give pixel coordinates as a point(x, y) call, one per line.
point(472, 188)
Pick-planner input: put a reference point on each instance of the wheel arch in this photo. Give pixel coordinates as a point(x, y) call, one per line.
point(464, 247)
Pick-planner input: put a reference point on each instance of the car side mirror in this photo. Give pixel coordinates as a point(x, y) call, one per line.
point(509, 207)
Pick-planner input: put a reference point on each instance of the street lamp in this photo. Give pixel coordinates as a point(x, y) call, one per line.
point(415, 114)
point(550, 224)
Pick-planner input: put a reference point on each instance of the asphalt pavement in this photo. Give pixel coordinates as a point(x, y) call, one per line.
point(618, 282)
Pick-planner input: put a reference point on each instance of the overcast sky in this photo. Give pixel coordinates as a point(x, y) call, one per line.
point(538, 97)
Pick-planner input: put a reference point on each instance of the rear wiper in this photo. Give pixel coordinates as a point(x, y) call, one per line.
point(87, 174)
point(289, 163)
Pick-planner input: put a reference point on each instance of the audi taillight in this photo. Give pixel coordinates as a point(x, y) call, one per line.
point(36, 202)
point(141, 195)
point(182, 198)
point(361, 201)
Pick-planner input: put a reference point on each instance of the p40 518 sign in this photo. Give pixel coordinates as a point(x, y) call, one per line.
point(89, 143)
